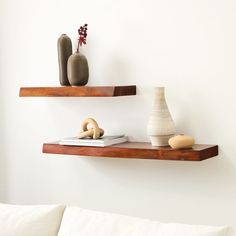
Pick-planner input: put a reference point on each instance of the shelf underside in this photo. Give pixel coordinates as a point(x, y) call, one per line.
point(83, 91)
point(137, 150)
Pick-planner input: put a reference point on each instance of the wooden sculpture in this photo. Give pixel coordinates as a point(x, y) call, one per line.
point(90, 129)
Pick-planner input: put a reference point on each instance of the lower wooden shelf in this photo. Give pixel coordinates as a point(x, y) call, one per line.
point(137, 150)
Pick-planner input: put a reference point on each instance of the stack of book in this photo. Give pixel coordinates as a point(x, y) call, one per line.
point(100, 142)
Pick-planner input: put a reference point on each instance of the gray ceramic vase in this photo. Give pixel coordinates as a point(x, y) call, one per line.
point(64, 48)
point(77, 69)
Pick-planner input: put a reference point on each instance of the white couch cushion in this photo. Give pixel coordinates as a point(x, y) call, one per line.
point(41, 220)
point(77, 221)
point(194, 230)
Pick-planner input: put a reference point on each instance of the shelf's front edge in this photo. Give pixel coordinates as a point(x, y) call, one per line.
point(83, 91)
point(66, 92)
point(133, 153)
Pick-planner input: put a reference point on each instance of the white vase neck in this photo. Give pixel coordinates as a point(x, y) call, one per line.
point(160, 94)
point(160, 90)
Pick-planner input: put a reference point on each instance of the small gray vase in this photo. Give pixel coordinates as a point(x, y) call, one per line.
point(77, 70)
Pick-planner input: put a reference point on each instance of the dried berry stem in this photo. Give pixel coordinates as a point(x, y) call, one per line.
point(82, 36)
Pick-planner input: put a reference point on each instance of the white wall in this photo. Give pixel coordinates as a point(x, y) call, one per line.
point(187, 46)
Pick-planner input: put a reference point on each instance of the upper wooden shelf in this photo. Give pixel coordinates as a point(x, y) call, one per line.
point(83, 91)
point(138, 150)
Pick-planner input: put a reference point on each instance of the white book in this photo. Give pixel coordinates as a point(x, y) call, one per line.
point(100, 142)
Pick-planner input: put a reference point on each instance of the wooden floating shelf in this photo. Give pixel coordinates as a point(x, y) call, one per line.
point(83, 91)
point(137, 150)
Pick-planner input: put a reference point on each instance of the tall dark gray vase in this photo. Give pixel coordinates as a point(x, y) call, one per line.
point(64, 48)
point(77, 69)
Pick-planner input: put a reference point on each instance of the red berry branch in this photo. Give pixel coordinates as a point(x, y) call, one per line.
point(82, 36)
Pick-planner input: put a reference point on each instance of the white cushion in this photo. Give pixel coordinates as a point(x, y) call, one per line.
point(41, 220)
point(194, 230)
point(77, 221)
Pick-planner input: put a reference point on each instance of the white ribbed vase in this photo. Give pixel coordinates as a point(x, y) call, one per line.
point(160, 126)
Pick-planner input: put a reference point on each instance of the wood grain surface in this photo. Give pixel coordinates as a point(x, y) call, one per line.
point(83, 91)
point(137, 150)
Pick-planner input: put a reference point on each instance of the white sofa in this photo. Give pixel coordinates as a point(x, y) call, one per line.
point(57, 220)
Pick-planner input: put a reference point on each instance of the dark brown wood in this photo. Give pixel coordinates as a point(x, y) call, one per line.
point(83, 91)
point(138, 150)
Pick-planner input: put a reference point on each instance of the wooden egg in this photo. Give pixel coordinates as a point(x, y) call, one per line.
point(181, 142)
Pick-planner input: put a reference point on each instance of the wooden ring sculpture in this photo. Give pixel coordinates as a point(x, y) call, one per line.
point(90, 129)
